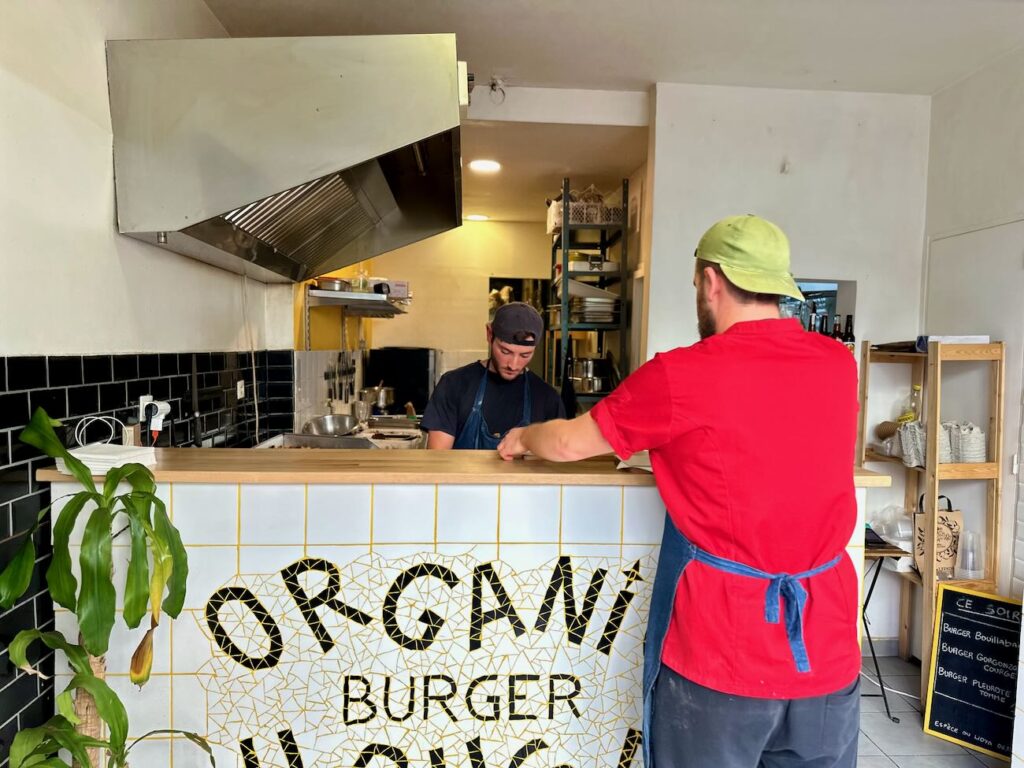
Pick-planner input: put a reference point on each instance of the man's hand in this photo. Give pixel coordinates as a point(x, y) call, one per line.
point(556, 440)
point(511, 446)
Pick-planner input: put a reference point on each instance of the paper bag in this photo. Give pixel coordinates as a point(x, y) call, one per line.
point(947, 542)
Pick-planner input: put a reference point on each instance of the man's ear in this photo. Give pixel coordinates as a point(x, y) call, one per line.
point(490, 333)
point(713, 282)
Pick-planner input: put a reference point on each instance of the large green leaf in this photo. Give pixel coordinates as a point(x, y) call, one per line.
point(66, 707)
point(195, 738)
point(136, 583)
point(59, 576)
point(136, 475)
point(178, 576)
point(39, 746)
point(97, 597)
point(39, 433)
point(17, 574)
point(24, 744)
point(77, 658)
point(109, 708)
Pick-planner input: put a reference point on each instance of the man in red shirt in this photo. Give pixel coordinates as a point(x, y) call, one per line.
point(751, 656)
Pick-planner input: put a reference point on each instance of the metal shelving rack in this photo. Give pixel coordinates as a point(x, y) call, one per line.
point(568, 240)
point(353, 304)
point(926, 371)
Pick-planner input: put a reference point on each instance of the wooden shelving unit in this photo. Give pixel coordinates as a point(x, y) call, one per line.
point(926, 370)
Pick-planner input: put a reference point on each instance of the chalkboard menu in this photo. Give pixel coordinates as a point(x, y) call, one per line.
point(972, 684)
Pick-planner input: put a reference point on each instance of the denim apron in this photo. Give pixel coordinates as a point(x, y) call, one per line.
point(677, 552)
point(475, 434)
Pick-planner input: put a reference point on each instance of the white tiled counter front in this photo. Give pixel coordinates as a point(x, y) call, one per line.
point(367, 623)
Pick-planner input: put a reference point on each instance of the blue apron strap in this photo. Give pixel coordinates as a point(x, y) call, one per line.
point(469, 437)
point(481, 390)
point(675, 554)
point(527, 401)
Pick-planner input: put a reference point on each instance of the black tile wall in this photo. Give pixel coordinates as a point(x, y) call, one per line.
point(65, 371)
point(26, 373)
point(70, 387)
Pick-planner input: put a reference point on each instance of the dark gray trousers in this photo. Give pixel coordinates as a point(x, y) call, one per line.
point(696, 727)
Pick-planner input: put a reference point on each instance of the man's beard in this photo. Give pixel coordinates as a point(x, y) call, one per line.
point(705, 320)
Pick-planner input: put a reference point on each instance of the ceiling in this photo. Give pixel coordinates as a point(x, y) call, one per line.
point(895, 46)
point(535, 157)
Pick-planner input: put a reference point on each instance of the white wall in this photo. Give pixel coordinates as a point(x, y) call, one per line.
point(843, 174)
point(68, 282)
point(976, 163)
point(449, 276)
point(975, 215)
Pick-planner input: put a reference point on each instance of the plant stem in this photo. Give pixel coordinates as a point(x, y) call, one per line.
point(85, 709)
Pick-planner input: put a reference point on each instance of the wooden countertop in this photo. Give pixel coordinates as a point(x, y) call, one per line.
point(397, 467)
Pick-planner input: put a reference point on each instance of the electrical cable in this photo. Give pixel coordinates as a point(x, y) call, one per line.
point(870, 679)
point(111, 421)
point(252, 350)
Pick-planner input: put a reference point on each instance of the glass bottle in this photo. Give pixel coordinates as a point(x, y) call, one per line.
point(911, 410)
point(848, 338)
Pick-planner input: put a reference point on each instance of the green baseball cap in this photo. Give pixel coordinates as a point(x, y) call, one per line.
point(752, 252)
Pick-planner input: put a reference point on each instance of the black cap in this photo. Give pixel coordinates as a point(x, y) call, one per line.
point(518, 323)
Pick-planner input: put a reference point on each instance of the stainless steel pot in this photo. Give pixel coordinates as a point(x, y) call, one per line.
point(589, 367)
point(582, 367)
point(587, 385)
point(381, 397)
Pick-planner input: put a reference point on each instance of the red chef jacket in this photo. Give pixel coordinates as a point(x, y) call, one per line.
point(752, 435)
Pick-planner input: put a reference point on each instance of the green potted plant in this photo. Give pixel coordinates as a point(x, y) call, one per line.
point(154, 583)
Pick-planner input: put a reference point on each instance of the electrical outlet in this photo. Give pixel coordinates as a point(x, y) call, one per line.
point(143, 402)
point(240, 389)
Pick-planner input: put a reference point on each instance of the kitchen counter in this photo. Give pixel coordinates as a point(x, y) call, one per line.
point(315, 574)
point(277, 466)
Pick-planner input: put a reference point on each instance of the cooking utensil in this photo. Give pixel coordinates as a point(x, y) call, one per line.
point(332, 284)
point(590, 384)
point(588, 367)
point(337, 424)
point(361, 410)
point(379, 396)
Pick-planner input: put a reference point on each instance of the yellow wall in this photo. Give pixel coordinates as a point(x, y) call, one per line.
point(449, 274)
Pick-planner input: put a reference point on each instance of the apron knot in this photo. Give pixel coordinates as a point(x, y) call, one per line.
point(793, 597)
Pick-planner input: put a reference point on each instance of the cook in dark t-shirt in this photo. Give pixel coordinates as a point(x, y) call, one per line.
point(452, 401)
point(453, 419)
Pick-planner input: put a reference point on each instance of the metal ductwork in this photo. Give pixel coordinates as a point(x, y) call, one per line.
point(286, 158)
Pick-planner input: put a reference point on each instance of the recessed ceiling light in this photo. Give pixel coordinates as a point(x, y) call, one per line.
point(476, 217)
point(485, 166)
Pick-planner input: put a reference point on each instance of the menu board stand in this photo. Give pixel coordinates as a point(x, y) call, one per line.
point(972, 680)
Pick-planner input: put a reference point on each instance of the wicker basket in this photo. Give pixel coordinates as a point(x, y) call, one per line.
point(583, 213)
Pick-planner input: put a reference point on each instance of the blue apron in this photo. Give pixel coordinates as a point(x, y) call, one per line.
point(475, 434)
point(677, 552)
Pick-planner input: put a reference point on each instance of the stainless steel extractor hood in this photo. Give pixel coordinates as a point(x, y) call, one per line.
point(286, 158)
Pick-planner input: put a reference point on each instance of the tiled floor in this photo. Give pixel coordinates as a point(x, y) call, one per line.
point(884, 744)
